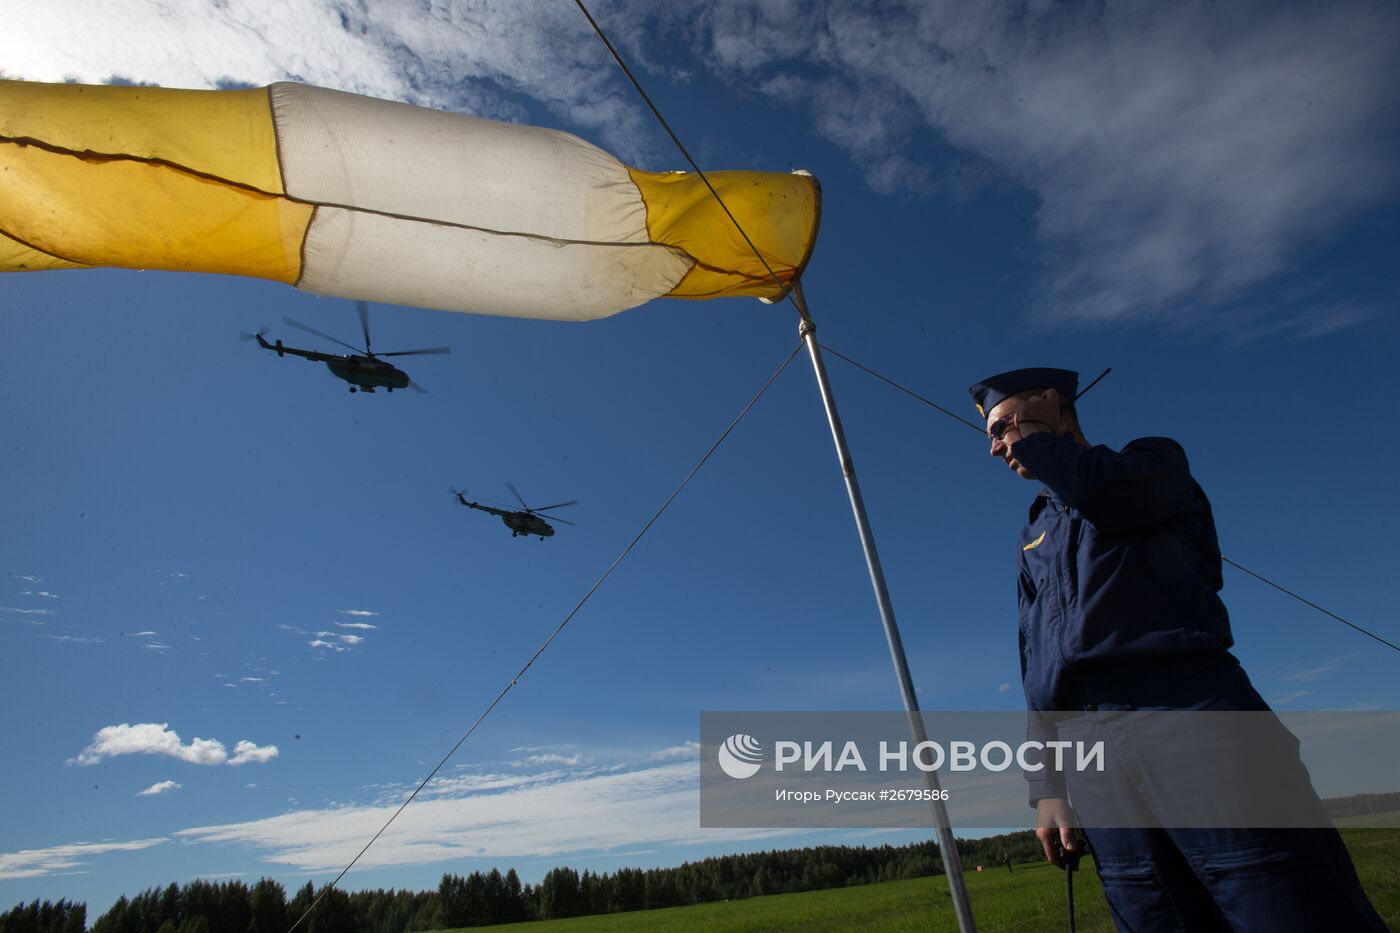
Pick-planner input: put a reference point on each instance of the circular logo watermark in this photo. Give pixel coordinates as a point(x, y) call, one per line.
point(741, 756)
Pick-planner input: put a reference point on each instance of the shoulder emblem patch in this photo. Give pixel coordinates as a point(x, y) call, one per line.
point(1035, 542)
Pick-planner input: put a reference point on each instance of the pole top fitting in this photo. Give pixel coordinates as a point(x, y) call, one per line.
point(799, 300)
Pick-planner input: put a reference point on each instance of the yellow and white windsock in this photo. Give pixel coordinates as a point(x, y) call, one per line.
point(355, 197)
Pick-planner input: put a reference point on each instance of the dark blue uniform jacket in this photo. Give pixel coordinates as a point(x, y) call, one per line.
point(1119, 572)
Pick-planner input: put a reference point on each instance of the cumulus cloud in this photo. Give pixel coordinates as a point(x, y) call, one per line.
point(246, 752)
point(151, 738)
point(161, 787)
point(36, 863)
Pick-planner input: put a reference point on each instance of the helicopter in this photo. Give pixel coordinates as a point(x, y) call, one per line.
point(365, 370)
point(524, 521)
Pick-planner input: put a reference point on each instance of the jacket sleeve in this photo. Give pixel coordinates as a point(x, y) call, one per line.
point(1147, 482)
point(1047, 782)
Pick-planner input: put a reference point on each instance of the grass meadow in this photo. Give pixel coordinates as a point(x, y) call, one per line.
point(1030, 899)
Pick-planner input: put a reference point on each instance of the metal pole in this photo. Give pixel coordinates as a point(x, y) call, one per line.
point(952, 864)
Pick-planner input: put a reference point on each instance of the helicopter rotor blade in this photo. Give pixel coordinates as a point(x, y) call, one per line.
point(430, 350)
point(311, 330)
point(562, 521)
point(557, 505)
point(511, 487)
point(245, 336)
point(363, 308)
point(417, 388)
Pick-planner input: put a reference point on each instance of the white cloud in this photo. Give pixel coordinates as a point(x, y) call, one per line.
point(530, 815)
point(75, 639)
point(1004, 688)
point(1315, 673)
point(40, 594)
point(150, 738)
point(471, 56)
point(26, 577)
point(356, 612)
point(145, 634)
point(27, 612)
point(552, 758)
point(245, 752)
point(688, 749)
point(162, 787)
point(36, 863)
point(335, 641)
point(474, 815)
point(156, 646)
point(357, 625)
point(1181, 152)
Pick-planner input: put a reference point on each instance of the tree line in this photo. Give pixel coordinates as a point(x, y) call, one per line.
point(492, 897)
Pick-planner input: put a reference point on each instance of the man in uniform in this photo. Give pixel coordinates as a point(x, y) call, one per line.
point(1119, 576)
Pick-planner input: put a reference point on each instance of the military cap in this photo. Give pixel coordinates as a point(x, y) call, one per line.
point(990, 391)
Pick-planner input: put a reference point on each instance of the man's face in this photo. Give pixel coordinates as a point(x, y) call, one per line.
point(1002, 447)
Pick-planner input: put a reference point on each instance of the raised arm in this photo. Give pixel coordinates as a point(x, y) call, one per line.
point(1147, 482)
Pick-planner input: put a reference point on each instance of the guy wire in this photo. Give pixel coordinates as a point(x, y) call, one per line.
point(1259, 577)
point(617, 57)
point(1308, 602)
point(555, 634)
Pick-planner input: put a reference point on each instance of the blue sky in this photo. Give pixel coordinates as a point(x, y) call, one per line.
point(205, 544)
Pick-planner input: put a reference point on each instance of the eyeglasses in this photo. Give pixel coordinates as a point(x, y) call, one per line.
point(998, 428)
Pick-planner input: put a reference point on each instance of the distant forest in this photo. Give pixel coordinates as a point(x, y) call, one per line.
point(491, 897)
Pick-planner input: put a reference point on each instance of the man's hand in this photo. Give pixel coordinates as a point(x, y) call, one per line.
point(1041, 413)
point(1054, 822)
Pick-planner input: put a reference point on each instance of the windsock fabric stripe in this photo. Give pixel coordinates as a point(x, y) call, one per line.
point(351, 196)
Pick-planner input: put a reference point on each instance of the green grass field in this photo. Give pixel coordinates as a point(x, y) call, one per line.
point(1031, 899)
point(1371, 819)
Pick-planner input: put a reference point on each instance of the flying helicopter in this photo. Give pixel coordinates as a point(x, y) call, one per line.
point(364, 369)
point(523, 521)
